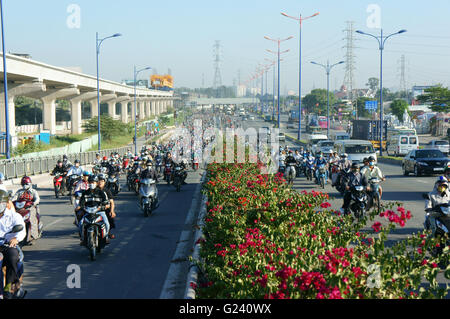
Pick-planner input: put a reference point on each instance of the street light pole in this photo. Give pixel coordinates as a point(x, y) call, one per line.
point(278, 41)
point(135, 108)
point(381, 42)
point(5, 87)
point(300, 20)
point(328, 68)
point(98, 43)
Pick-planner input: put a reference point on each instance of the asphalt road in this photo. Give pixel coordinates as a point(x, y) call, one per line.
point(135, 264)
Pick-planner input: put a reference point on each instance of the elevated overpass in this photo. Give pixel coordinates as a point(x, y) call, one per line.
point(49, 83)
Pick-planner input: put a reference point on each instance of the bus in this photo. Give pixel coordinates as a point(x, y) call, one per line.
point(323, 123)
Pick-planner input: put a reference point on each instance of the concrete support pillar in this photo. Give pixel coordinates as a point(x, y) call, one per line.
point(112, 108)
point(124, 111)
point(153, 107)
point(76, 108)
point(49, 115)
point(148, 112)
point(13, 91)
point(94, 108)
point(76, 117)
point(141, 110)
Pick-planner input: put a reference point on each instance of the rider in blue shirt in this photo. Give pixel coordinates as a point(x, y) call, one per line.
point(320, 160)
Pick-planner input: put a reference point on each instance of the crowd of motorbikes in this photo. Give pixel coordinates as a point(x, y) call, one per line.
point(323, 168)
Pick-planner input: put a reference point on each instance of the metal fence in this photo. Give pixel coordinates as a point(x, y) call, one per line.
point(28, 167)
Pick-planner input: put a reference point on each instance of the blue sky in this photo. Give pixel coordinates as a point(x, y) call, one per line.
point(180, 35)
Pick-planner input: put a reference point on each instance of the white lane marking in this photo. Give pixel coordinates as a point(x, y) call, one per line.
point(51, 224)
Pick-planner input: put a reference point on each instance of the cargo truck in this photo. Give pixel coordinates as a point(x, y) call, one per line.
point(369, 130)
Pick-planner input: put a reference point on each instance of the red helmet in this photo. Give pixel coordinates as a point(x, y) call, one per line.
point(25, 180)
point(105, 158)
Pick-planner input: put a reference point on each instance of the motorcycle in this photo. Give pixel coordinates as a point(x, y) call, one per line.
point(168, 173)
point(322, 175)
point(442, 225)
point(147, 193)
point(24, 207)
point(93, 231)
point(309, 170)
point(290, 172)
point(113, 184)
point(16, 289)
point(158, 166)
point(57, 185)
point(358, 205)
point(177, 178)
point(73, 180)
point(375, 198)
point(97, 169)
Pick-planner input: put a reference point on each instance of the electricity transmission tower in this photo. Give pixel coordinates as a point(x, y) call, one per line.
point(349, 79)
point(402, 63)
point(217, 59)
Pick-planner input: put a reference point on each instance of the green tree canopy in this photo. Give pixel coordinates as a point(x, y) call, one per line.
point(108, 126)
point(316, 101)
point(398, 108)
point(438, 97)
point(373, 83)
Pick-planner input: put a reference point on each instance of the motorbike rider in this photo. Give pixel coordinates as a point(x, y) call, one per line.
point(66, 163)
point(344, 165)
point(98, 159)
point(150, 173)
point(290, 159)
point(320, 160)
point(440, 195)
point(93, 197)
point(75, 170)
point(110, 211)
point(9, 256)
point(355, 178)
point(183, 166)
point(373, 171)
point(59, 169)
point(27, 193)
point(83, 184)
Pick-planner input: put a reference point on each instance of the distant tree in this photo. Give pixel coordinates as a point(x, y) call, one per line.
point(316, 101)
point(398, 108)
point(109, 127)
point(373, 83)
point(361, 106)
point(438, 97)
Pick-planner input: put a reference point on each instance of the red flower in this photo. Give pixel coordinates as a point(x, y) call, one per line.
point(376, 227)
point(325, 205)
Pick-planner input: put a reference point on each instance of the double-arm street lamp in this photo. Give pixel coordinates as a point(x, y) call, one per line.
point(300, 21)
point(381, 41)
point(278, 41)
point(98, 43)
point(328, 68)
point(136, 72)
point(5, 86)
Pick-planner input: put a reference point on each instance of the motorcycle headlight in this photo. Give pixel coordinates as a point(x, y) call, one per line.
point(359, 188)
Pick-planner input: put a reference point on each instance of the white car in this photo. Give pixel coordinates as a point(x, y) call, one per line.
point(441, 145)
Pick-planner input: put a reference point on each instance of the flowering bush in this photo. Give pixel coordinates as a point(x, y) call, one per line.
point(264, 240)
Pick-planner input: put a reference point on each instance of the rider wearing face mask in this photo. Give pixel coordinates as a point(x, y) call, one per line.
point(355, 178)
point(439, 195)
point(93, 197)
point(27, 193)
point(9, 256)
point(373, 171)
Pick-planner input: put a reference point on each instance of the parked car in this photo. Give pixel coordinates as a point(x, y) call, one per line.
point(281, 137)
point(427, 161)
point(441, 145)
